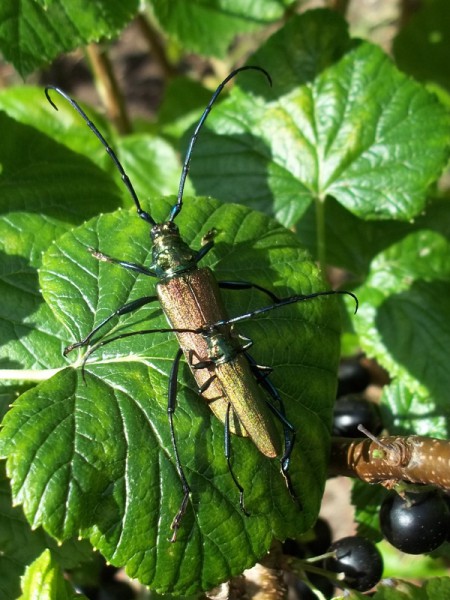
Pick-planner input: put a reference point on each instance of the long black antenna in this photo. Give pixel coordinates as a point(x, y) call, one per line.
point(177, 207)
point(142, 213)
point(283, 302)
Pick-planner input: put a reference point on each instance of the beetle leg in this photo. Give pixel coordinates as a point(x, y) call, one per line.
point(247, 342)
point(261, 370)
point(288, 429)
point(122, 263)
point(201, 364)
point(203, 250)
point(123, 310)
point(171, 405)
point(206, 385)
point(227, 456)
point(209, 236)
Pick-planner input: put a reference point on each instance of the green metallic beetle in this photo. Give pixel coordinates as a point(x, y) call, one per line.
point(227, 377)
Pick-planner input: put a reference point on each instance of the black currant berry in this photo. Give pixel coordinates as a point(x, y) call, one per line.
point(417, 524)
point(352, 410)
point(359, 559)
point(352, 377)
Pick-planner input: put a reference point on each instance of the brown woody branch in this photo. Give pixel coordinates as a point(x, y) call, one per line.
point(391, 459)
point(108, 88)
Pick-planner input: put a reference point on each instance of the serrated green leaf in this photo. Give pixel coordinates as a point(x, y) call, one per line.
point(422, 47)
point(404, 322)
point(353, 243)
point(47, 189)
point(19, 545)
point(44, 580)
point(29, 106)
point(209, 26)
point(37, 204)
point(96, 457)
point(138, 153)
point(340, 120)
point(407, 411)
point(29, 36)
point(151, 164)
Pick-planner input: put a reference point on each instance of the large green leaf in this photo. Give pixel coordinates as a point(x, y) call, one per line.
point(150, 161)
point(19, 545)
point(404, 322)
point(94, 457)
point(209, 26)
point(340, 120)
point(45, 189)
point(36, 206)
point(28, 105)
point(33, 32)
point(422, 47)
point(151, 164)
point(352, 242)
point(44, 580)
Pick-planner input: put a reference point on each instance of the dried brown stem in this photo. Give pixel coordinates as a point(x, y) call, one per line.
point(108, 88)
point(340, 6)
point(391, 459)
point(265, 582)
point(155, 44)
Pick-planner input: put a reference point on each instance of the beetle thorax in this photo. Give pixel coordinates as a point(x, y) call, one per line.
point(171, 255)
point(222, 348)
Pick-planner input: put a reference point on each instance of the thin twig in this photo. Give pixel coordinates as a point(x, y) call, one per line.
point(156, 45)
point(108, 88)
point(340, 6)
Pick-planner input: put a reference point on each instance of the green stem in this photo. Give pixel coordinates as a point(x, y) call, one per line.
point(334, 577)
point(320, 231)
point(27, 374)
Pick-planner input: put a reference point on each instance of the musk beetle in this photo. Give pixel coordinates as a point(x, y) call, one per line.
point(237, 390)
